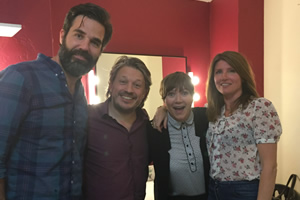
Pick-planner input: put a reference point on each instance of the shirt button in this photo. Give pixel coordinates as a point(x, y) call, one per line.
point(61, 72)
point(73, 162)
point(72, 182)
point(73, 141)
point(66, 85)
point(56, 74)
point(74, 122)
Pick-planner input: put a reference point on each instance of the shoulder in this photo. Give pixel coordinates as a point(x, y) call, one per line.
point(97, 109)
point(199, 109)
point(200, 112)
point(157, 139)
point(142, 114)
point(200, 119)
point(18, 75)
point(261, 104)
point(26, 69)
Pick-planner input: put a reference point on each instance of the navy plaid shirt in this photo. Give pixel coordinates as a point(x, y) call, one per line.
point(42, 132)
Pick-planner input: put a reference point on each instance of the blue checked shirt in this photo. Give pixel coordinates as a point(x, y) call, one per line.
point(42, 132)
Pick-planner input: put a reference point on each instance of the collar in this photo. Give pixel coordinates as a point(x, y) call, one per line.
point(59, 73)
point(239, 109)
point(177, 125)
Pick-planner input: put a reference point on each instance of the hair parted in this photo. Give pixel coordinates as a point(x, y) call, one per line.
point(214, 98)
point(136, 63)
point(91, 11)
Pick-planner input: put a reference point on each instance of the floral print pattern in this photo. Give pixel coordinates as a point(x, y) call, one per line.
point(232, 141)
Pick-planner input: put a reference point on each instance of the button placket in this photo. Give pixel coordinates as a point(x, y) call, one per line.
point(188, 148)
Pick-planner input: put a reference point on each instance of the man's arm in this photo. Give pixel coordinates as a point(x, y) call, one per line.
point(160, 119)
point(2, 189)
point(13, 107)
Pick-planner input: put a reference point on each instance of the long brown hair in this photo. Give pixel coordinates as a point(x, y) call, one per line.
point(214, 98)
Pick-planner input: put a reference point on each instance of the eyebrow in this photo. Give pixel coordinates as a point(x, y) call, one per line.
point(78, 30)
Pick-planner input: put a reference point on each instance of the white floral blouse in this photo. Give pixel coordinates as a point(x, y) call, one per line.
point(231, 141)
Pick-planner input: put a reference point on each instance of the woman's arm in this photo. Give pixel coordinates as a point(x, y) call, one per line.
point(268, 157)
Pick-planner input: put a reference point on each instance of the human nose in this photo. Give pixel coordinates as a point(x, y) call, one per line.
point(178, 98)
point(129, 87)
point(84, 45)
point(224, 75)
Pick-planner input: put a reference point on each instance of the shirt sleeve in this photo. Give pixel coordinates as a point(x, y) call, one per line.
point(13, 107)
point(266, 122)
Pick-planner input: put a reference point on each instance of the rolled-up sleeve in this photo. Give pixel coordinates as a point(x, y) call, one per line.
point(267, 126)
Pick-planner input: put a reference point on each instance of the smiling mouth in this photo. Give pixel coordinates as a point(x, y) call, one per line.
point(79, 57)
point(178, 108)
point(127, 97)
point(225, 84)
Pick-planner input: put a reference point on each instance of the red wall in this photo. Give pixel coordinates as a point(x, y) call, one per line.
point(159, 27)
point(237, 25)
point(35, 35)
point(189, 28)
point(251, 37)
point(171, 64)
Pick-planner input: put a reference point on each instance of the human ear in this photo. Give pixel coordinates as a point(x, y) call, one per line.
point(61, 36)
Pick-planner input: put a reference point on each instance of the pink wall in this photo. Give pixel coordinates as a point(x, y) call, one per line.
point(238, 25)
point(224, 19)
point(159, 27)
point(35, 35)
point(251, 37)
point(171, 64)
point(193, 29)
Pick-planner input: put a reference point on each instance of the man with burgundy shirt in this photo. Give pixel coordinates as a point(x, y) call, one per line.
point(116, 165)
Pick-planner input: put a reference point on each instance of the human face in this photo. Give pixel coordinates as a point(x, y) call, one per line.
point(128, 90)
point(227, 80)
point(81, 47)
point(179, 104)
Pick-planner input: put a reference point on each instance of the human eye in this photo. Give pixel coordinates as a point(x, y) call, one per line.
point(122, 81)
point(78, 35)
point(96, 43)
point(171, 94)
point(185, 92)
point(137, 85)
point(218, 71)
point(232, 70)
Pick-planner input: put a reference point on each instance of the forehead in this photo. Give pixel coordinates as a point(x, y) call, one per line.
point(177, 89)
point(130, 73)
point(89, 26)
point(222, 65)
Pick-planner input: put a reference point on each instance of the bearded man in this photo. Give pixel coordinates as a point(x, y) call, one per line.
point(43, 112)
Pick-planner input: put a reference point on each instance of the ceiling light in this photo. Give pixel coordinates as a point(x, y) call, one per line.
point(205, 0)
point(9, 30)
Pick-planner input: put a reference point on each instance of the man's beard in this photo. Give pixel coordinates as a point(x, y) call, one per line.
point(72, 65)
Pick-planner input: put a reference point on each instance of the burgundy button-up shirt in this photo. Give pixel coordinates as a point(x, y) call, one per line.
point(116, 165)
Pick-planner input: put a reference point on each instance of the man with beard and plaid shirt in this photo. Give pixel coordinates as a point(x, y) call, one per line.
point(43, 112)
